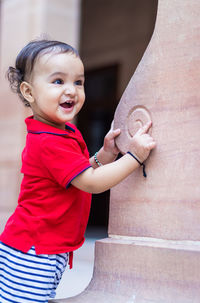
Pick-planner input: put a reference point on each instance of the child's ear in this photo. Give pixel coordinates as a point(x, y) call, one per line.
point(26, 91)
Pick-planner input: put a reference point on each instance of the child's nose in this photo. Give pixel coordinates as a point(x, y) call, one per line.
point(70, 89)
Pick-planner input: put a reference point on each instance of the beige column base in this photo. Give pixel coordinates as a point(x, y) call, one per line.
point(143, 270)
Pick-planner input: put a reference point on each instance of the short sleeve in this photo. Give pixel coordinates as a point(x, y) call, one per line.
point(64, 158)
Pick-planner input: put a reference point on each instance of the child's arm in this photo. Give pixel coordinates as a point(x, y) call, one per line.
point(106, 176)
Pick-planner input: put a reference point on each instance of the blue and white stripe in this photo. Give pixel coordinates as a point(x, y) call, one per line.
point(27, 277)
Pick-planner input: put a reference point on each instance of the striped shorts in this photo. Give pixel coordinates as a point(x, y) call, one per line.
point(27, 277)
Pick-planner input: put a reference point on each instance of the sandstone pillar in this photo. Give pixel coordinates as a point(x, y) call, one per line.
point(153, 250)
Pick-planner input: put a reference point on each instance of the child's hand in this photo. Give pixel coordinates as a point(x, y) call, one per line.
point(109, 142)
point(109, 151)
point(142, 143)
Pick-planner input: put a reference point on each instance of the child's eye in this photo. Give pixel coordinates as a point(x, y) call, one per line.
point(79, 82)
point(58, 81)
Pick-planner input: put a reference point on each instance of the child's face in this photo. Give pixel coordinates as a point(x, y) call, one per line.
point(57, 88)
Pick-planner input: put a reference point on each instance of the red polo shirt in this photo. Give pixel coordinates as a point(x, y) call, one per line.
point(52, 214)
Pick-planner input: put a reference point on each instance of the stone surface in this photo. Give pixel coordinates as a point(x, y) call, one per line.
point(165, 89)
point(139, 271)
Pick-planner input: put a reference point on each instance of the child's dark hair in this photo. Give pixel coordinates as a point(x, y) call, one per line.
point(26, 58)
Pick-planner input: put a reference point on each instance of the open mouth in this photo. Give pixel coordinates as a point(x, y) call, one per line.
point(67, 104)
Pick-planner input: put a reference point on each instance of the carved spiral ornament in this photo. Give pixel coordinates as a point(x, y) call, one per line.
point(136, 118)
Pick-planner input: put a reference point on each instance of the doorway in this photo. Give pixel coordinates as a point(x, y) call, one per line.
point(94, 122)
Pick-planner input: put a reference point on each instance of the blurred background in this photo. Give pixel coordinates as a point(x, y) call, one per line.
point(111, 36)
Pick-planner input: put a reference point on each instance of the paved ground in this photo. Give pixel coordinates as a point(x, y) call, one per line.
point(74, 281)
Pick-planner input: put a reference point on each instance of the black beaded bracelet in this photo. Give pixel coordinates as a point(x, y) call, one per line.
point(142, 164)
point(96, 160)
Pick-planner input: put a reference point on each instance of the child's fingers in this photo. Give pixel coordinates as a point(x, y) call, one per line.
point(151, 145)
point(117, 132)
point(112, 134)
point(148, 139)
point(145, 128)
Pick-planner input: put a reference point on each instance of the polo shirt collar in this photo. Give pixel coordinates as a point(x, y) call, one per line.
point(38, 127)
